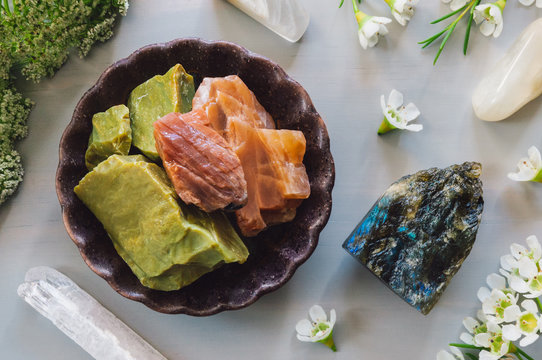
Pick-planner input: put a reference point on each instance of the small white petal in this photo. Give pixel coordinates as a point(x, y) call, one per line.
point(370, 29)
point(304, 327)
point(304, 338)
point(527, 267)
point(487, 28)
point(530, 306)
point(486, 355)
point(535, 247)
point(458, 354)
point(518, 284)
point(526, 2)
point(498, 29)
point(528, 340)
point(493, 327)
point(511, 332)
point(496, 281)
point(482, 340)
point(317, 314)
point(332, 317)
point(470, 324)
point(518, 251)
point(381, 20)
point(467, 338)
point(512, 313)
point(508, 262)
point(395, 100)
point(483, 294)
point(414, 127)
point(362, 39)
point(535, 157)
point(410, 112)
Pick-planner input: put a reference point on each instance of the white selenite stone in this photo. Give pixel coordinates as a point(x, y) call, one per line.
point(287, 18)
point(515, 80)
point(82, 318)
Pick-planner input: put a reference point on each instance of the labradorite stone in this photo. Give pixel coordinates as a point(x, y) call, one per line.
point(157, 97)
point(166, 243)
point(111, 134)
point(420, 231)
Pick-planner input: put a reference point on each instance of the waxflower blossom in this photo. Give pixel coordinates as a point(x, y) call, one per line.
point(370, 28)
point(489, 17)
point(527, 323)
point(493, 341)
point(455, 4)
point(397, 116)
point(529, 169)
point(402, 10)
point(319, 329)
point(496, 300)
point(523, 268)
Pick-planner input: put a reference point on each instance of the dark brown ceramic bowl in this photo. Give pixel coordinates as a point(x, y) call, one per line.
point(275, 253)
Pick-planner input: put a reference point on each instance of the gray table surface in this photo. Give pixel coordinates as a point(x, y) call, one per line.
point(345, 83)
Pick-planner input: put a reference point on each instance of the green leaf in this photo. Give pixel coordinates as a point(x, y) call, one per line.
point(469, 25)
point(449, 15)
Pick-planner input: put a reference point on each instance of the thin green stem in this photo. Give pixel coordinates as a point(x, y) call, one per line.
point(469, 26)
point(449, 15)
point(356, 9)
point(519, 356)
point(521, 352)
point(470, 356)
point(341, 4)
point(537, 300)
point(466, 346)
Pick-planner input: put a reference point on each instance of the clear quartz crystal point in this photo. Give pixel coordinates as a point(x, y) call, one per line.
point(287, 18)
point(515, 80)
point(82, 318)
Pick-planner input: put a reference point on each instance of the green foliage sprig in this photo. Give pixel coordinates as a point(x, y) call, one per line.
point(445, 34)
point(36, 37)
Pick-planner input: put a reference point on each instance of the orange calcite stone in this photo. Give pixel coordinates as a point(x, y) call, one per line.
point(272, 160)
point(203, 168)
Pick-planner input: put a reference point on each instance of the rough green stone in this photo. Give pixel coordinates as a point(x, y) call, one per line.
point(157, 97)
point(111, 134)
point(420, 231)
point(166, 243)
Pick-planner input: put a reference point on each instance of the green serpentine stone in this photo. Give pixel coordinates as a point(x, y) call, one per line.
point(420, 231)
point(166, 243)
point(157, 97)
point(111, 134)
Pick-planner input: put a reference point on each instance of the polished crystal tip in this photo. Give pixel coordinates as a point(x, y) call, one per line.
point(82, 318)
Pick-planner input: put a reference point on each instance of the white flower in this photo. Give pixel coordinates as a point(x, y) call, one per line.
point(320, 329)
point(492, 340)
point(490, 17)
point(527, 323)
point(523, 268)
point(529, 169)
point(456, 4)
point(495, 301)
point(530, 2)
point(370, 28)
point(396, 115)
point(473, 327)
point(455, 355)
point(402, 10)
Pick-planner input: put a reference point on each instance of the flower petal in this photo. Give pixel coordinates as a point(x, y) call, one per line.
point(535, 157)
point(518, 251)
point(530, 306)
point(518, 284)
point(483, 294)
point(496, 281)
point(395, 100)
point(526, 2)
point(470, 324)
point(317, 314)
point(467, 338)
point(304, 327)
point(511, 332)
point(410, 112)
point(332, 317)
point(458, 354)
point(508, 262)
point(444, 355)
point(304, 338)
point(362, 39)
point(487, 28)
point(482, 340)
point(512, 313)
point(528, 340)
point(535, 247)
point(527, 267)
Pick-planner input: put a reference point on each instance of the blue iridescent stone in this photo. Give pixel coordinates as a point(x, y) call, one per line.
point(420, 231)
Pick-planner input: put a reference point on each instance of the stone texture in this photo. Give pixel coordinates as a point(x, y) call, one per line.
point(420, 231)
point(515, 80)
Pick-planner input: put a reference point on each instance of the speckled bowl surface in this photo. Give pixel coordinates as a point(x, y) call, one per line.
point(275, 253)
